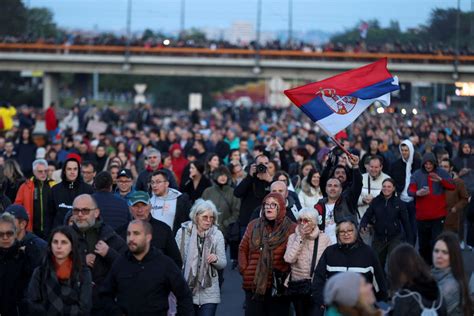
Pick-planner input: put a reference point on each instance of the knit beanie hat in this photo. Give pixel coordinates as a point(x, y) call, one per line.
point(343, 289)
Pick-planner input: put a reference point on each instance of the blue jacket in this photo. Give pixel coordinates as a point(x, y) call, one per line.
point(113, 210)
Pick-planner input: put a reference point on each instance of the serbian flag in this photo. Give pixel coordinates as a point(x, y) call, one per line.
point(336, 102)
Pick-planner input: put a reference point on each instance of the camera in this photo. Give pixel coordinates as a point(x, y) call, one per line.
point(261, 168)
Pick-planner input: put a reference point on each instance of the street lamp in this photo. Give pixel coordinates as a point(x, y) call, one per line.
point(256, 69)
point(126, 65)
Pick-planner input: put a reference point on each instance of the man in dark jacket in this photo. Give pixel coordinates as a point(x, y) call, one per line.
point(63, 194)
point(340, 202)
point(163, 237)
point(34, 246)
point(113, 210)
point(428, 185)
point(252, 189)
point(153, 164)
point(15, 270)
point(98, 243)
point(141, 280)
point(349, 254)
point(401, 171)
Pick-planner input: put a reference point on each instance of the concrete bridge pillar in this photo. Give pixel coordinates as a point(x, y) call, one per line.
point(50, 88)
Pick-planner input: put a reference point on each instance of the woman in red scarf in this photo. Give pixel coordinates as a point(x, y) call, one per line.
point(61, 285)
point(178, 161)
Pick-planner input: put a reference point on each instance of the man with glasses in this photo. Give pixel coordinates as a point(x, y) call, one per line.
point(125, 186)
point(99, 244)
point(15, 270)
point(88, 172)
point(168, 205)
point(349, 254)
point(163, 237)
point(33, 196)
point(153, 162)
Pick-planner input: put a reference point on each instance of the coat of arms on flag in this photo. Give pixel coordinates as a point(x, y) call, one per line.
point(334, 103)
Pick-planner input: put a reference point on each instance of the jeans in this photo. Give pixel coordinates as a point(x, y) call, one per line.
point(412, 221)
point(205, 310)
point(428, 231)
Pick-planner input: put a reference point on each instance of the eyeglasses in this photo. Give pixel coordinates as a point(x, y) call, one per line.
point(346, 232)
point(157, 182)
point(41, 171)
point(270, 205)
point(304, 220)
point(7, 234)
point(84, 211)
point(207, 218)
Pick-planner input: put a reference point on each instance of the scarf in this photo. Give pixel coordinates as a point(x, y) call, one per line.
point(404, 195)
point(197, 271)
point(266, 239)
point(63, 270)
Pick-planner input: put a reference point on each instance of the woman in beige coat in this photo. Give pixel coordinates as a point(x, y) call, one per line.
point(300, 253)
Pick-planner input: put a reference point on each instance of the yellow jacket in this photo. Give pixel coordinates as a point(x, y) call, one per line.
point(7, 115)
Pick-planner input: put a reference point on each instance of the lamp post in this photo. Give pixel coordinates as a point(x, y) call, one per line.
point(256, 69)
point(126, 65)
point(182, 18)
point(456, 52)
point(290, 21)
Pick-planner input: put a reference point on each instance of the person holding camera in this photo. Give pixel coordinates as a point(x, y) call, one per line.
point(252, 189)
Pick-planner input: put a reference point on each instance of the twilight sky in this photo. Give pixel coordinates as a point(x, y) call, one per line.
point(328, 15)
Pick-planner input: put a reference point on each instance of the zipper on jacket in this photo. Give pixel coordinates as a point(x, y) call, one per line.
point(41, 206)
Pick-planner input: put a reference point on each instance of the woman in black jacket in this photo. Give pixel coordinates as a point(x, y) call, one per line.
point(415, 290)
point(387, 214)
point(61, 285)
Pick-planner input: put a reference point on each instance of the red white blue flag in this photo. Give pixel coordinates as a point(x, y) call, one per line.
point(336, 102)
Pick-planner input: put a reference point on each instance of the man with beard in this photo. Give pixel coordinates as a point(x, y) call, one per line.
point(63, 194)
point(98, 243)
point(142, 279)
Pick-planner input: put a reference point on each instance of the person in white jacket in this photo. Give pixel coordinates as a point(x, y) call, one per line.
point(202, 247)
point(310, 191)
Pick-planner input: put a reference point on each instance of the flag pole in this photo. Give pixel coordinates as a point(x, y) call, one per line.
point(335, 140)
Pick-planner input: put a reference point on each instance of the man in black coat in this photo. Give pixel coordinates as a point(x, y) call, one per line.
point(163, 237)
point(99, 244)
point(63, 194)
point(113, 209)
point(153, 159)
point(142, 279)
point(15, 270)
point(34, 246)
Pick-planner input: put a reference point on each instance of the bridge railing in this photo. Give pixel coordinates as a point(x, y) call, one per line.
point(229, 52)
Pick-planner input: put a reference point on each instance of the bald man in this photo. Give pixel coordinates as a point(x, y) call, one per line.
point(99, 245)
point(292, 208)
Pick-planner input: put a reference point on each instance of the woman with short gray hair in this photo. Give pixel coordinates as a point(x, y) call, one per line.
point(202, 247)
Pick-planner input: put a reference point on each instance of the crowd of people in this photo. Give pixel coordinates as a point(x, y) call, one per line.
point(138, 212)
point(146, 41)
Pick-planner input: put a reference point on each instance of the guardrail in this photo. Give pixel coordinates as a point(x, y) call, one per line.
point(225, 52)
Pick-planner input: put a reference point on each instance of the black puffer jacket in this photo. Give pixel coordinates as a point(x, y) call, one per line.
point(387, 218)
point(356, 257)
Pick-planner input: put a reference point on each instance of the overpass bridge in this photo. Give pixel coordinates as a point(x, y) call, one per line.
point(204, 62)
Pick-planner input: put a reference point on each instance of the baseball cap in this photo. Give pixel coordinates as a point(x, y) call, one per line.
point(139, 196)
point(125, 173)
point(18, 211)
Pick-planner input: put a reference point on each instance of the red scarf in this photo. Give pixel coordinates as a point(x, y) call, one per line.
point(63, 270)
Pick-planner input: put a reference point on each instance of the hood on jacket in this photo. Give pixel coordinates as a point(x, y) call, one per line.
point(174, 148)
point(63, 171)
point(173, 194)
point(461, 154)
point(429, 157)
point(410, 146)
